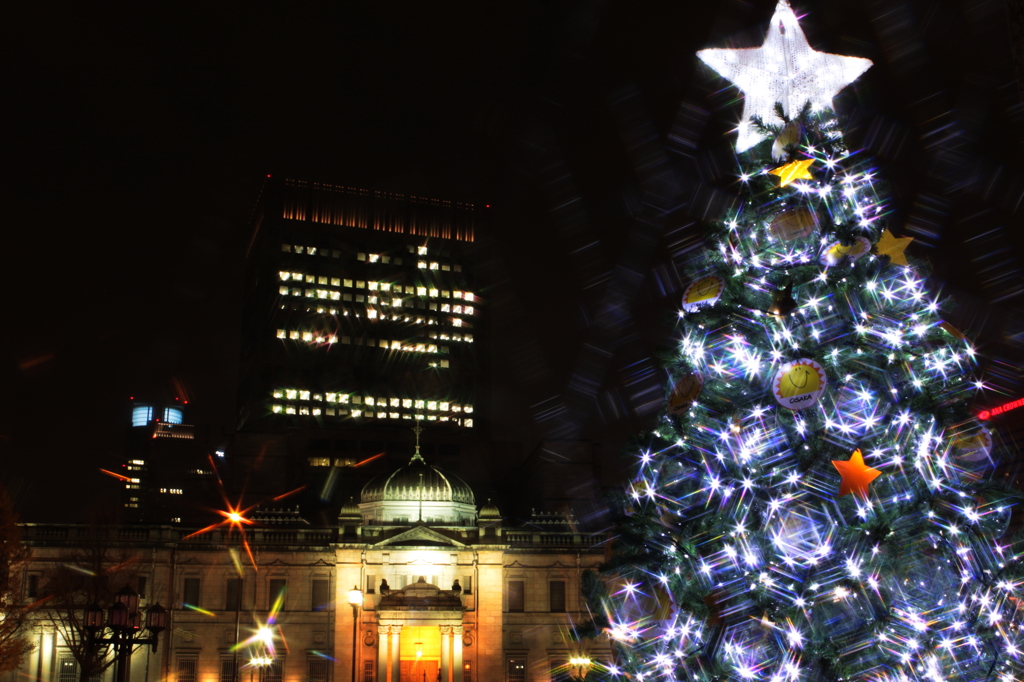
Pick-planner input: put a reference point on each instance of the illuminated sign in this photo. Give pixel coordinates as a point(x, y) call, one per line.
point(1013, 405)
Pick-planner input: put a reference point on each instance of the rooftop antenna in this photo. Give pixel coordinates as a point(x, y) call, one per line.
point(418, 430)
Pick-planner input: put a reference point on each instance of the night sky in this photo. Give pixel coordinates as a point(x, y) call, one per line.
point(136, 138)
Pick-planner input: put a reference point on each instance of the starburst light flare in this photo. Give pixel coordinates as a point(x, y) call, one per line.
point(784, 69)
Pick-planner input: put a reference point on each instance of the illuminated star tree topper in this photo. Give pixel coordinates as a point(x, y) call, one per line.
point(784, 69)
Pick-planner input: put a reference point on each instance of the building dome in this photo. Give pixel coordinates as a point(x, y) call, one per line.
point(417, 481)
point(350, 508)
point(417, 493)
point(489, 511)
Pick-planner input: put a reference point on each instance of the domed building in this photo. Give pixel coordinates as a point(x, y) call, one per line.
point(413, 584)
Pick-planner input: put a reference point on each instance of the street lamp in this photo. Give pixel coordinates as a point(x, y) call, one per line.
point(580, 664)
point(124, 621)
point(355, 598)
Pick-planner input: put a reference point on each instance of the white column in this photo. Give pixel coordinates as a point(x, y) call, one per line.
point(457, 654)
point(396, 651)
point(446, 645)
point(382, 653)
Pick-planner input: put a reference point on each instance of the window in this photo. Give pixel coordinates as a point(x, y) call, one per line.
point(142, 582)
point(190, 592)
point(233, 594)
point(272, 672)
point(556, 592)
point(32, 588)
point(186, 670)
point(67, 669)
point(227, 670)
point(467, 584)
point(516, 670)
point(467, 671)
point(516, 595)
point(142, 415)
point(371, 586)
point(368, 672)
point(321, 594)
point(317, 670)
point(172, 415)
point(278, 586)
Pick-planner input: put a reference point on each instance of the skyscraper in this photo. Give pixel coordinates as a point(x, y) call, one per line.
point(362, 316)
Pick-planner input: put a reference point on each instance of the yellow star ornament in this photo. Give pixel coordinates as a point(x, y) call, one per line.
point(893, 247)
point(793, 171)
point(856, 475)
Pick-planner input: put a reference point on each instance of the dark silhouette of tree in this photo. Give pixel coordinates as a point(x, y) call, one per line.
point(90, 573)
point(14, 643)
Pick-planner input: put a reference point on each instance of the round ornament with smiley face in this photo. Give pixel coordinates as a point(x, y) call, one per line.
point(702, 293)
point(799, 384)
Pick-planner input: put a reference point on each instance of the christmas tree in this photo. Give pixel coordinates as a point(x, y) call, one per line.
point(817, 502)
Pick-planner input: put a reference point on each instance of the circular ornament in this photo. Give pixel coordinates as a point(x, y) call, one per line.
point(974, 448)
point(685, 393)
point(836, 252)
point(703, 292)
point(796, 223)
point(799, 384)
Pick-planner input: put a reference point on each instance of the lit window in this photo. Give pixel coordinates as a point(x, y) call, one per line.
point(310, 293)
point(432, 405)
point(468, 423)
point(312, 251)
point(343, 398)
point(445, 308)
point(433, 266)
point(445, 267)
point(303, 395)
point(422, 264)
point(278, 393)
point(316, 411)
point(432, 306)
point(317, 396)
point(321, 280)
point(360, 256)
point(360, 284)
point(172, 415)
point(421, 251)
point(304, 411)
point(371, 299)
point(335, 296)
point(276, 409)
point(281, 334)
point(329, 411)
point(468, 409)
point(446, 294)
point(444, 407)
point(289, 410)
point(293, 335)
point(299, 249)
point(396, 303)
point(393, 415)
point(139, 461)
point(319, 461)
point(310, 279)
point(372, 314)
point(291, 394)
point(332, 397)
point(407, 402)
point(386, 286)
point(433, 293)
point(141, 415)
point(385, 259)
point(284, 276)
point(357, 413)
point(374, 257)
point(335, 281)
point(468, 296)
point(444, 364)
point(457, 268)
point(296, 291)
point(456, 407)
point(369, 400)
point(457, 322)
point(382, 415)
point(332, 339)
point(372, 286)
point(286, 248)
point(322, 293)
point(419, 404)
point(395, 402)
point(283, 291)
point(457, 310)
point(469, 310)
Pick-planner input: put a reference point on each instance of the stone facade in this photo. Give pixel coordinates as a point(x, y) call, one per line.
point(510, 617)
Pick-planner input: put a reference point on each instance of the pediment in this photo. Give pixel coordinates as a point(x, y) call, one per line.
point(420, 534)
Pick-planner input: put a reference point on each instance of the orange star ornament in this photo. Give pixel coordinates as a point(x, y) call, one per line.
point(856, 475)
point(793, 171)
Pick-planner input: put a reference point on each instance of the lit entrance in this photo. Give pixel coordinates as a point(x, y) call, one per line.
point(420, 635)
point(421, 653)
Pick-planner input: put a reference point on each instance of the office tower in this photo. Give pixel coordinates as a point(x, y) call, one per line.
point(362, 317)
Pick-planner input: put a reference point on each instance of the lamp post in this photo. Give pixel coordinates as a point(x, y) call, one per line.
point(580, 664)
point(355, 598)
point(124, 621)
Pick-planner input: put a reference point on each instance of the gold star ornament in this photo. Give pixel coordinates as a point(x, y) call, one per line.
point(856, 475)
point(798, 170)
point(893, 247)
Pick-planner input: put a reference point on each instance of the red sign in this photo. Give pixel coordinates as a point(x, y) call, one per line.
point(1013, 405)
